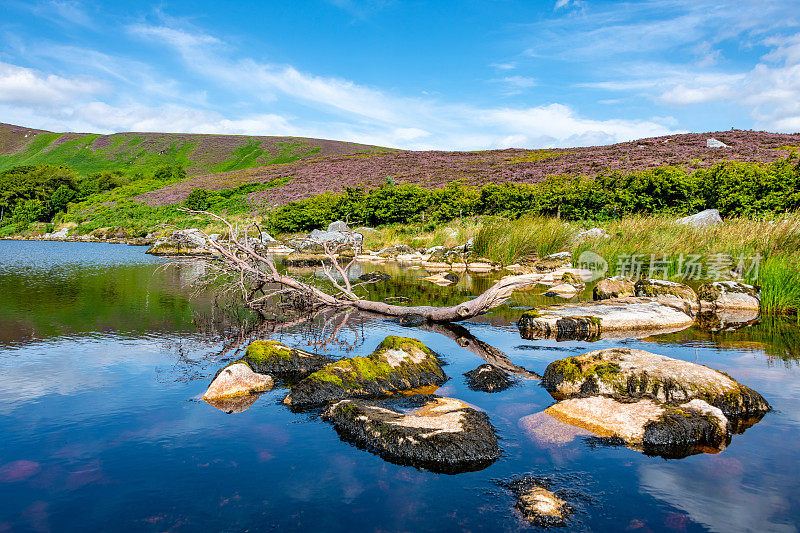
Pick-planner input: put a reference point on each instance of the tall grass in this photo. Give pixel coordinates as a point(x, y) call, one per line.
point(779, 278)
point(506, 241)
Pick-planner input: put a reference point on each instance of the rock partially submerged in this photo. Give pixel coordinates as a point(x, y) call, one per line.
point(442, 434)
point(285, 363)
point(542, 507)
point(650, 426)
point(614, 287)
point(627, 373)
point(487, 378)
point(398, 364)
point(728, 295)
point(374, 277)
point(234, 404)
point(190, 242)
point(620, 317)
point(703, 219)
point(726, 319)
point(236, 379)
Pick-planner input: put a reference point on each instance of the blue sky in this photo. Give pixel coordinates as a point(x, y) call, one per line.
point(410, 74)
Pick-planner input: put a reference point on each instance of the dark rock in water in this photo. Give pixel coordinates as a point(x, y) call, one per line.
point(283, 362)
point(451, 277)
point(442, 435)
point(626, 373)
point(374, 276)
point(488, 378)
point(411, 320)
point(397, 364)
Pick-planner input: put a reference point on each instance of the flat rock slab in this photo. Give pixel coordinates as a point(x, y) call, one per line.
point(487, 378)
point(601, 319)
point(281, 361)
point(442, 434)
point(647, 425)
point(627, 373)
point(398, 364)
point(237, 379)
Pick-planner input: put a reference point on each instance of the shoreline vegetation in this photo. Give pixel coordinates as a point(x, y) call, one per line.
point(632, 213)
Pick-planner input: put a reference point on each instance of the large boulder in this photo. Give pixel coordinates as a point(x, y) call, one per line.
point(703, 219)
point(488, 378)
point(617, 318)
point(441, 434)
point(339, 226)
point(647, 425)
point(236, 379)
point(278, 360)
point(397, 364)
point(661, 289)
point(614, 287)
point(728, 295)
point(181, 242)
point(628, 373)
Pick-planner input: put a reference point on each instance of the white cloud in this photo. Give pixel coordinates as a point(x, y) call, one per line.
point(25, 86)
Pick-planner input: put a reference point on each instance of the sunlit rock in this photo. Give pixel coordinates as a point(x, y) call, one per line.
point(442, 434)
point(397, 364)
point(623, 372)
point(181, 242)
point(620, 317)
point(665, 290)
point(728, 295)
point(703, 219)
point(237, 379)
point(647, 425)
point(614, 287)
point(542, 507)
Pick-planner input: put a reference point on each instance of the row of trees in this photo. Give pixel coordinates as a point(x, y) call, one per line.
point(38, 193)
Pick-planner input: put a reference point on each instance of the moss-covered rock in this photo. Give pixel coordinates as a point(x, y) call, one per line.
point(280, 361)
point(661, 289)
point(439, 434)
point(630, 374)
point(623, 317)
point(237, 379)
point(648, 425)
point(614, 287)
point(397, 364)
point(487, 378)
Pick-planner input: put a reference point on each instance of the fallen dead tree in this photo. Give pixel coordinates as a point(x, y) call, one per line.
point(249, 270)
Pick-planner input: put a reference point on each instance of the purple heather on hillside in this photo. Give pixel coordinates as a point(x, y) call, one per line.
point(433, 169)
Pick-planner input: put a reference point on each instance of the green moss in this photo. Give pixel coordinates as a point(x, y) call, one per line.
point(576, 369)
point(265, 351)
point(530, 314)
point(393, 342)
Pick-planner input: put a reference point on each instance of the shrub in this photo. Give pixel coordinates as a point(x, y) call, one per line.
point(197, 200)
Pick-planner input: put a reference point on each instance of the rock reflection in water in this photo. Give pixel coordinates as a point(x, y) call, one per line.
point(237, 404)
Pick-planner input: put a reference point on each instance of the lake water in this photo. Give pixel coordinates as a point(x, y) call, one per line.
point(102, 364)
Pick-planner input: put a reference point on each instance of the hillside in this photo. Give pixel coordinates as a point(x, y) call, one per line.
point(431, 169)
point(144, 152)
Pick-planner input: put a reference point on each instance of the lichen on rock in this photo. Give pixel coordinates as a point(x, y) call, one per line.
point(439, 434)
point(614, 287)
point(397, 364)
point(728, 295)
point(281, 361)
point(627, 373)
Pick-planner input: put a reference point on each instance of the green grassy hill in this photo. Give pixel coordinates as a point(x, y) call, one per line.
point(144, 152)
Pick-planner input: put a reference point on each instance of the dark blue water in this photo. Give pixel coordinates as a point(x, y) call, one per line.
point(102, 427)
